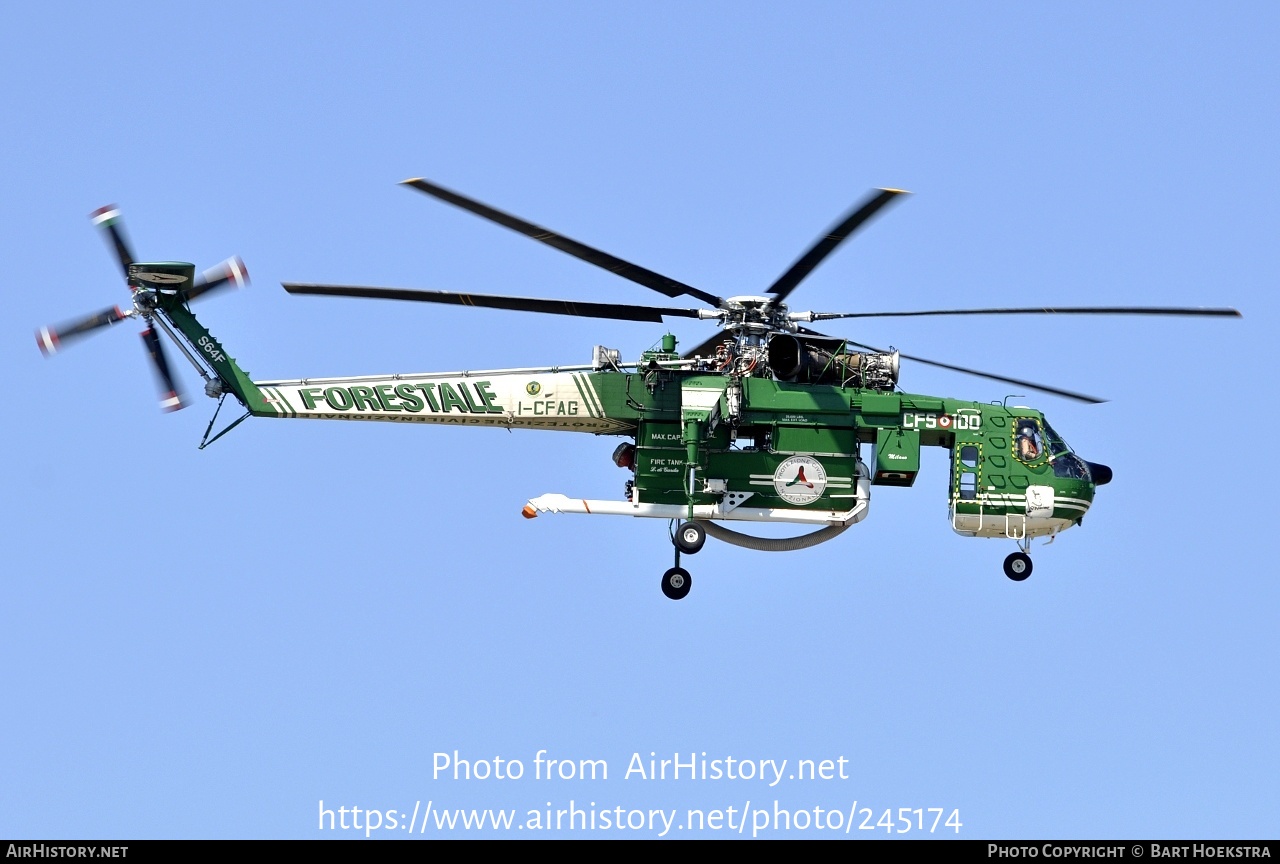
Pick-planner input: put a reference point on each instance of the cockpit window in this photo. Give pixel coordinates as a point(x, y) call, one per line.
point(1056, 445)
point(1071, 466)
point(1028, 442)
point(1065, 463)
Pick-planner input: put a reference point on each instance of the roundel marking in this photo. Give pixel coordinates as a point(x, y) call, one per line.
point(945, 421)
point(800, 480)
point(533, 388)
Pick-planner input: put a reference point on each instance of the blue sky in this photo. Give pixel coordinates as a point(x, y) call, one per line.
point(208, 644)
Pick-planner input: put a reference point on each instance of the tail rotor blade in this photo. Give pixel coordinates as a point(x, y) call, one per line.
point(170, 400)
point(108, 219)
point(231, 272)
point(50, 339)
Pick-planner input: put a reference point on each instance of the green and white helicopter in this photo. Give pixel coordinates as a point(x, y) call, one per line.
point(765, 421)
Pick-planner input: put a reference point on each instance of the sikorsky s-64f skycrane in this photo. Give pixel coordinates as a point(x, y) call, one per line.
point(765, 421)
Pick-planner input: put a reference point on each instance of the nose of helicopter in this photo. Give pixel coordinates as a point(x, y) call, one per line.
point(1101, 473)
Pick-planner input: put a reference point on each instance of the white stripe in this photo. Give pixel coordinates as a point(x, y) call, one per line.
point(592, 394)
point(285, 403)
point(813, 453)
point(1013, 497)
point(584, 386)
point(104, 217)
point(273, 401)
point(595, 394)
point(46, 339)
point(993, 502)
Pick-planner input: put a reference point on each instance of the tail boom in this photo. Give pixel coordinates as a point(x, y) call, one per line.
point(564, 399)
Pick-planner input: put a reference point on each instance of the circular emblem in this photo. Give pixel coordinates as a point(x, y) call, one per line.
point(533, 388)
point(944, 422)
point(800, 480)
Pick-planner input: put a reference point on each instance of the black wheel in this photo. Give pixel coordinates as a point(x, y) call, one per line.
point(1017, 566)
point(676, 583)
point(690, 537)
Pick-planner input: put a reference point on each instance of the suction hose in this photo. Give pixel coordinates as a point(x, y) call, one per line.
point(773, 544)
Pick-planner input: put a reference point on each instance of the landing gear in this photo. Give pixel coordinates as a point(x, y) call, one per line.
point(676, 583)
point(1017, 566)
point(690, 537)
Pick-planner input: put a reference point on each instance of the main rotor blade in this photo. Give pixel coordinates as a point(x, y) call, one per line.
point(1190, 311)
point(108, 219)
point(229, 272)
point(829, 242)
point(50, 339)
point(625, 269)
point(1079, 397)
point(170, 400)
point(491, 301)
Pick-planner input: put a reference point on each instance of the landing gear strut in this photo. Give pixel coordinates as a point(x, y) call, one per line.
point(688, 538)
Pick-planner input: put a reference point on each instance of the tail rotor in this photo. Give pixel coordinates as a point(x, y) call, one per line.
point(146, 282)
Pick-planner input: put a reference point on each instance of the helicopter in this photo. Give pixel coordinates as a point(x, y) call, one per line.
point(765, 421)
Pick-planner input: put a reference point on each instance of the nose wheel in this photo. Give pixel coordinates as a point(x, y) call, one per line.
point(1017, 566)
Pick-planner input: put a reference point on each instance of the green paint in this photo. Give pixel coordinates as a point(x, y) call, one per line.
point(287, 404)
point(361, 396)
point(410, 400)
point(385, 396)
point(881, 403)
point(309, 395)
point(338, 398)
point(487, 396)
point(236, 379)
point(431, 399)
point(449, 398)
point(466, 397)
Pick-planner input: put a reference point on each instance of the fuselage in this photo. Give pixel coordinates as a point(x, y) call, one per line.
point(794, 449)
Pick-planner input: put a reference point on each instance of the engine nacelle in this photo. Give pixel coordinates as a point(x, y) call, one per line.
point(826, 361)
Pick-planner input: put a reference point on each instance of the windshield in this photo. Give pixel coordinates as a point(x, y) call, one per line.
point(1065, 463)
point(1056, 445)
